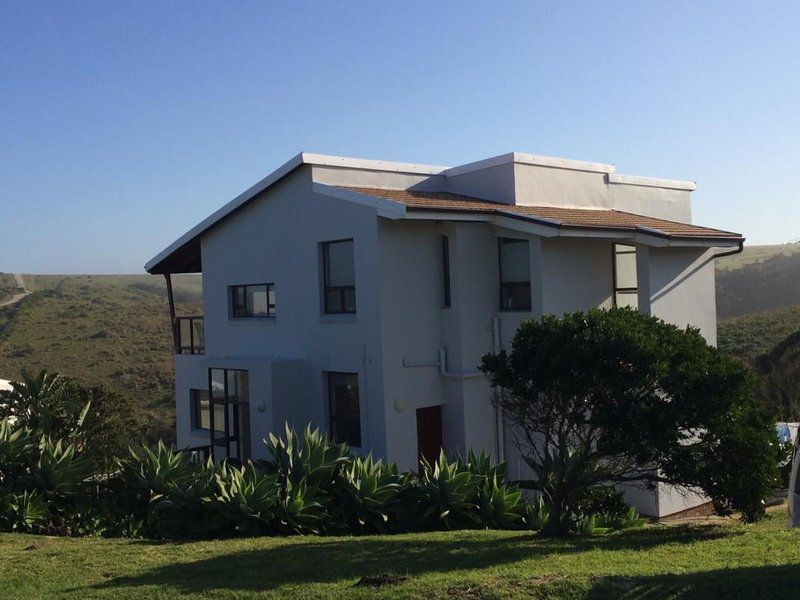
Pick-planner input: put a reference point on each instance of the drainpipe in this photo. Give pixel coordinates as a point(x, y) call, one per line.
point(731, 252)
point(499, 420)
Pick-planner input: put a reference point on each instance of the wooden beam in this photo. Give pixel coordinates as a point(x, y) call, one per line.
point(172, 319)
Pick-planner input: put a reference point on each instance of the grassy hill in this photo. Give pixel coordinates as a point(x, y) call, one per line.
point(764, 284)
point(750, 336)
point(110, 329)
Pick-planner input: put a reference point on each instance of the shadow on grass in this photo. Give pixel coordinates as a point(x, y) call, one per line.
point(775, 581)
point(321, 560)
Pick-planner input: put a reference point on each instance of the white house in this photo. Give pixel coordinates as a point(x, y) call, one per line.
point(359, 295)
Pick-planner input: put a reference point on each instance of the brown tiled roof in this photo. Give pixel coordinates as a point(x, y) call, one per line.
point(555, 216)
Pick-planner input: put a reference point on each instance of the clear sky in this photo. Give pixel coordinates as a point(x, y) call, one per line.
point(123, 124)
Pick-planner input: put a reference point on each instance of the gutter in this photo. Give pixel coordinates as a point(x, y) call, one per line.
point(732, 252)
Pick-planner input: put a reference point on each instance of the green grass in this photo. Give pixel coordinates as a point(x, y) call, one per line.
point(109, 329)
point(727, 560)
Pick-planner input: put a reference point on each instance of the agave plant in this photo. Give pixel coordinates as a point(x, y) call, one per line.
point(298, 510)
point(367, 494)
point(448, 493)
point(183, 511)
point(16, 448)
point(482, 466)
point(537, 514)
point(311, 457)
point(153, 473)
point(59, 473)
point(244, 497)
point(501, 506)
point(24, 511)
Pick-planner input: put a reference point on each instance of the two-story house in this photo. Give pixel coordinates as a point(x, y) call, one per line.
point(359, 295)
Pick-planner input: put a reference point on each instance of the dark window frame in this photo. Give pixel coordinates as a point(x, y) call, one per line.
point(233, 431)
point(333, 419)
point(614, 282)
point(341, 289)
point(447, 298)
point(506, 287)
point(234, 306)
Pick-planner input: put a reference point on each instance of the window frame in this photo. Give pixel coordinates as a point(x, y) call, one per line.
point(332, 418)
point(624, 290)
point(446, 290)
point(271, 307)
point(341, 289)
point(504, 285)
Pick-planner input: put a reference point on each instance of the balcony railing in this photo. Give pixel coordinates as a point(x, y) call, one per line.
point(191, 337)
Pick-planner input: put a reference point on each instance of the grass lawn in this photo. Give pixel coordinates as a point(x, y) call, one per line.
point(726, 560)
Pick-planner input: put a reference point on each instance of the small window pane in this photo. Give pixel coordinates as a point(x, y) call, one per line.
point(271, 308)
point(257, 301)
point(514, 261)
point(627, 299)
point(625, 266)
point(341, 265)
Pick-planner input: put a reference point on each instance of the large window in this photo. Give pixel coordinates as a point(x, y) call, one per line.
point(253, 301)
point(446, 270)
point(230, 414)
point(515, 274)
point(339, 277)
point(344, 408)
point(201, 411)
point(626, 291)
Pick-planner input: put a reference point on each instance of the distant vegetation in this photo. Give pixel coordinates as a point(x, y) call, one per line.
point(101, 329)
point(757, 286)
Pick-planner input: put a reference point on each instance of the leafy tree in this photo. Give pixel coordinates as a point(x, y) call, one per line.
point(616, 396)
point(96, 419)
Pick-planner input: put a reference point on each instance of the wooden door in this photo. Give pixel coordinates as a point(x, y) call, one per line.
point(429, 433)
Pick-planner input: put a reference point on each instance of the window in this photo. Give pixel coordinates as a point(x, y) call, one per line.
point(345, 411)
point(230, 396)
point(515, 275)
point(253, 301)
point(626, 291)
point(446, 269)
point(339, 277)
point(201, 417)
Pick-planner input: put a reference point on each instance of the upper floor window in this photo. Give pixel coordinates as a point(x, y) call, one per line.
point(515, 274)
point(344, 408)
point(626, 291)
point(339, 277)
point(446, 270)
point(253, 301)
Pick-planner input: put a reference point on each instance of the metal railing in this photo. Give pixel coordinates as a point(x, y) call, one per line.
point(190, 335)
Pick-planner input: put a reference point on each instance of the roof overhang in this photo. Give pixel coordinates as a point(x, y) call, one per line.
point(184, 256)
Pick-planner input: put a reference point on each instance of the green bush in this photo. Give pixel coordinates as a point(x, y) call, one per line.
point(312, 486)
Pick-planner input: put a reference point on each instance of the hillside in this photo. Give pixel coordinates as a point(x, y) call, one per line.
point(110, 329)
point(764, 284)
point(750, 336)
point(754, 254)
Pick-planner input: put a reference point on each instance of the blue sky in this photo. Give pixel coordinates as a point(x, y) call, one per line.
point(122, 124)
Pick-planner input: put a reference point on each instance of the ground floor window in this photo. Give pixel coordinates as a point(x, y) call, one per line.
point(344, 407)
point(229, 422)
point(201, 411)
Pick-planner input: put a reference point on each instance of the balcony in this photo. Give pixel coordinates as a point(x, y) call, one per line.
point(190, 337)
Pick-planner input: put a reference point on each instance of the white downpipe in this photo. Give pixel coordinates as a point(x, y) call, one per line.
point(442, 364)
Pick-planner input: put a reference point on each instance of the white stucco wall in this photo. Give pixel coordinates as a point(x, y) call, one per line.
point(276, 239)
